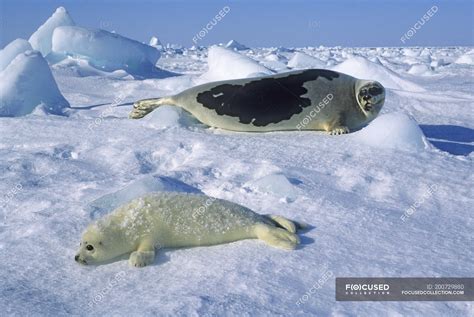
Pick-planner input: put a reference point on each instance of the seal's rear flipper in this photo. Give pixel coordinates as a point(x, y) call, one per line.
point(143, 107)
point(287, 224)
point(276, 237)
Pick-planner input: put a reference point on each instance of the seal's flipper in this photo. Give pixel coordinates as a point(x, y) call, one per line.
point(284, 223)
point(276, 237)
point(143, 107)
point(287, 224)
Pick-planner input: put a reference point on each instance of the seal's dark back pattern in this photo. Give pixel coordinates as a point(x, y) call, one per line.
point(264, 100)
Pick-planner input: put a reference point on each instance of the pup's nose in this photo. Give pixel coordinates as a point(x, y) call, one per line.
point(76, 258)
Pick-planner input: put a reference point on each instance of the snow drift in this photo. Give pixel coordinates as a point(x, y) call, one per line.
point(12, 50)
point(105, 50)
point(164, 117)
point(467, 58)
point(362, 68)
point(26, 83)
point(420, 69)
point(274, 184)
point(393, 131)
point(148, 184)
point(226, 64)
point(302, 60)
point(41, 39)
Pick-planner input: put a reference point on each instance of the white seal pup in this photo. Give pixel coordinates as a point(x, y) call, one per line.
point(312, 99)
point(173, 220)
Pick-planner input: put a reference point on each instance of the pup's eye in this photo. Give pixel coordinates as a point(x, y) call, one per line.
point(90, 248)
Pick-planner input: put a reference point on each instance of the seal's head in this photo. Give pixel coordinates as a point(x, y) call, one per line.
point(370, 97)
point(97, 246)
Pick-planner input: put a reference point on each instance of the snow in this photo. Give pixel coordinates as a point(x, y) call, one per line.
point(273, 184)
point(27, 82)
point(12, 50)
point(164, 117)
point(58, 173)
point(41, 40)
point(438, 63)
point(362, 68)
point(155, 42)
point(393, 130)
point(420, 69)
point(141, 187)
point(234, 45)
point(275, 61)
point(104, 50)
point(227, 64)
point(466, 59)
point(302, 60)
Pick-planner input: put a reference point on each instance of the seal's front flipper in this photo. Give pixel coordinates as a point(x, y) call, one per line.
point(143, 107)
point(145, 255)
point(339, 130)
point(141, 258)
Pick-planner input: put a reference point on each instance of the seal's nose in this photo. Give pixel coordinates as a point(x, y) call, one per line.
point(76, 258)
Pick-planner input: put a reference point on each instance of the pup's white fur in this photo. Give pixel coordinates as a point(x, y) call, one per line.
point(171, 220)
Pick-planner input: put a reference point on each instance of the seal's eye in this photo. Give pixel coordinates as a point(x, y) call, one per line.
point(374, 91)
point(364, 91)
point(90, 248)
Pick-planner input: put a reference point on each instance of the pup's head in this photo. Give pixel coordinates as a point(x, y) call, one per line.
point(96, 247)
point(370, 97)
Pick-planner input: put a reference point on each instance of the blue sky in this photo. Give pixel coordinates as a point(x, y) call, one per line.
point(256, 23)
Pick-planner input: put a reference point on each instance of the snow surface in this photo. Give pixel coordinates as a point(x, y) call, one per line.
point(59, 173)
point(41, 40)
